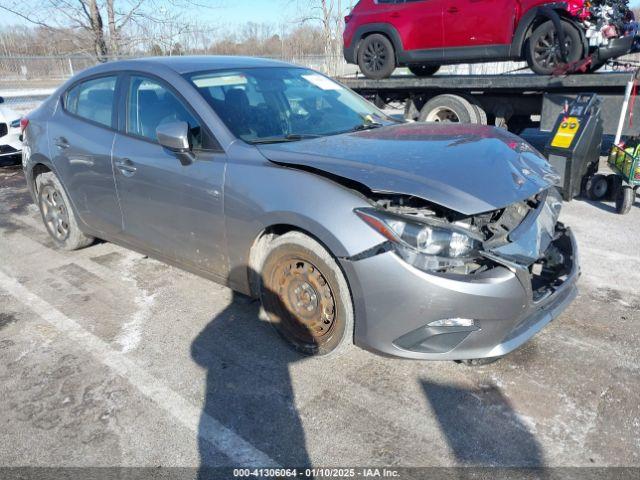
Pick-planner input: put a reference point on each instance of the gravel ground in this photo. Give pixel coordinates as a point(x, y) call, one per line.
point(109, 358)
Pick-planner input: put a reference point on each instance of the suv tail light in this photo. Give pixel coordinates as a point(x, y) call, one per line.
point(24, 123)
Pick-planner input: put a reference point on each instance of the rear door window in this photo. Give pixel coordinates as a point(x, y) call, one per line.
point(93, 100)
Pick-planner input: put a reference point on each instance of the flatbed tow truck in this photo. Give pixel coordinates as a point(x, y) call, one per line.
point(513, 101)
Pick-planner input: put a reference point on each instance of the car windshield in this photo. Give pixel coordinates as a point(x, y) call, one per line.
point(280, 104)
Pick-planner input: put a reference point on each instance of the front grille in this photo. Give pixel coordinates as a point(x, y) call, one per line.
point(4, 129)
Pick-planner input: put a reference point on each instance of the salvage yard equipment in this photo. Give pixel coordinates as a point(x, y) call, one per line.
point(625, 162)
point(574, 148)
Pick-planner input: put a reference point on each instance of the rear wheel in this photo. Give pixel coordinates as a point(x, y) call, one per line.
point(424, 70)
point(596, 187)
point(305, 295)
point(543, 52)
point(376, 57)
point(481, 114)
point(57, 214)
point(448, 109)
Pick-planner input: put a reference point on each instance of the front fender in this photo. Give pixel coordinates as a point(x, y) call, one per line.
point(259, 195)
point(552, 11)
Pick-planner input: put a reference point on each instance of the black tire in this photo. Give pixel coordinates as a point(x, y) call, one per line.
point(305, 295)
point(448, 108)
point(57, 214)
point(624, 199)
point(425, 70)
point(614, 182)
point(481, 114)
point(542, 50)
point(596, 187)
point(376, 57)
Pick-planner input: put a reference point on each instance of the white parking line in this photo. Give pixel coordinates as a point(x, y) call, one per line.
point(208, 428)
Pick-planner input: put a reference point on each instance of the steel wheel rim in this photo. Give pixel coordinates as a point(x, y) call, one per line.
point(375, 56)
point(442, 115)
point(547, 52)
point(54, 212)
point(305, 302)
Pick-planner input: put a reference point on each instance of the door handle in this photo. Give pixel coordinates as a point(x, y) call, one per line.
point(126, 167)
point(452, 9)
point(62, 143)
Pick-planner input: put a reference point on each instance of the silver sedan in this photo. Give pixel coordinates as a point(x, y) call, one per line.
point(424, 241)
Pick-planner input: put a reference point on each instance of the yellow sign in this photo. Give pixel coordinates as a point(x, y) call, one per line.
point(565, 134)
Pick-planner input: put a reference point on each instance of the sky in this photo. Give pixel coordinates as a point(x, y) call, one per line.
point(235, 12)
point(230, 12)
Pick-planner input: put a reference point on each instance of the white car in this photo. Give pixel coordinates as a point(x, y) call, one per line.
point(10, 142)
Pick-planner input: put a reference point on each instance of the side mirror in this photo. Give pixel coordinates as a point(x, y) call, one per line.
point(174, 136)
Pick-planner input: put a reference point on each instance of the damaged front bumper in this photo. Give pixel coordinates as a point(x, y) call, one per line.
point(508, 304)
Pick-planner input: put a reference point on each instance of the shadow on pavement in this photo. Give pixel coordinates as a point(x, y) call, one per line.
point(481, 428)
point(248, 386)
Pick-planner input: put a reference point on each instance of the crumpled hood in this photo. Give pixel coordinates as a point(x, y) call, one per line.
point(467, 168)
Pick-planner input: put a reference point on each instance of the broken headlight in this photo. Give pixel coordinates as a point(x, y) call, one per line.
point(426, 243)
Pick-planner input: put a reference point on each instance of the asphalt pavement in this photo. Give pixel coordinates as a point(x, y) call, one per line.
point(110, 358)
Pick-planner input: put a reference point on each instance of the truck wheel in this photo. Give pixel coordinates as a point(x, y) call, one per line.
point(424, 70)
point(543, 48)
point(448, 109)
point(481, 115)
point(376, 57)
point(596, 187)
point(57, 214)
point(305, 295)
point(624, 199)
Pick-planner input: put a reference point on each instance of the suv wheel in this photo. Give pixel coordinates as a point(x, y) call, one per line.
point(57, 214)
point(305, 295)
point(543, 52)
point(424, 70)
point(376, 57)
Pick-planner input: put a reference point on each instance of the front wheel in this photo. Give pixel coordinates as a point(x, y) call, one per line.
point(305, 295)
point(543, 52)
point(625, 196)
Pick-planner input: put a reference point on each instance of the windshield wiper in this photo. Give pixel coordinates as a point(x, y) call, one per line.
point(292, 137)
point(366, 126)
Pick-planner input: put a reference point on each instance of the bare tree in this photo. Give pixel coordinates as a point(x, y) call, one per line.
point(127, 20)
point(329, 14)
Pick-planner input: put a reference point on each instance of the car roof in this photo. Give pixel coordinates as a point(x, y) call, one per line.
point(197, 63)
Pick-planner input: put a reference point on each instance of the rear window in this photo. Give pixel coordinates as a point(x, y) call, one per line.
point(93, 100)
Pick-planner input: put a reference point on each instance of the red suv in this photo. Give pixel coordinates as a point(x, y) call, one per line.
point(381, 35)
